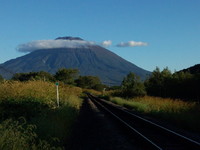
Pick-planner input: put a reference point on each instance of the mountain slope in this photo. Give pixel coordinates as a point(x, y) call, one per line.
point(91, 60)
point(193, 70)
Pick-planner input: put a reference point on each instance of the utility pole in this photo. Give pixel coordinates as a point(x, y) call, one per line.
point(104, 89)
point(57, 94)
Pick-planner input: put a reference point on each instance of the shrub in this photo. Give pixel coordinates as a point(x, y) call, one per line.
point(17, 135)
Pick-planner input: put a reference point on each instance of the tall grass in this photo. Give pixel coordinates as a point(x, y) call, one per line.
point(17, 135)
point(43, 91)
point(36, 102)
point(92, 91)
point(181, 113)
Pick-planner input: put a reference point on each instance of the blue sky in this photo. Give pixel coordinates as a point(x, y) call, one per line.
point(170, 28)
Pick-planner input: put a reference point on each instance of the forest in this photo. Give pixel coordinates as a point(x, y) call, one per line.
point(182, 85)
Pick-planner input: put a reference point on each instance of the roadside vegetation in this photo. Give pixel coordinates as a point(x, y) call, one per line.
point(170, 97)
point(30, 118)
point(180, 113)
point(29, 115)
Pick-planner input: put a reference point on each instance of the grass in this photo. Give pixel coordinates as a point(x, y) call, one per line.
point(35, 101)
point(183, 114)
point(92, 91)
point(17, 135)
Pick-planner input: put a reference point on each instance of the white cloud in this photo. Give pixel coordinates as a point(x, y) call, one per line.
point(60, 43)
point(49, 44)
point(106, 43)
point(131, 44)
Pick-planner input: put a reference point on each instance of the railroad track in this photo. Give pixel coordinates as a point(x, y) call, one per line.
point(150, 134)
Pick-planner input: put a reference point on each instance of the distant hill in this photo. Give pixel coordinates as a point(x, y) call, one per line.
point(193, 70)
point(90, 60)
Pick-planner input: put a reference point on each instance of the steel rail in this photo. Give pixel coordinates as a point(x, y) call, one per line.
point(173, 132)
point(129, 126)
point(191, 141)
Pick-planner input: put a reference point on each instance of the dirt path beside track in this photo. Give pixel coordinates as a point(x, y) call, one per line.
point(94, 130)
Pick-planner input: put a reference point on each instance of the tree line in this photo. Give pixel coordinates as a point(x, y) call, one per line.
point(67, 76)
point(181, 85)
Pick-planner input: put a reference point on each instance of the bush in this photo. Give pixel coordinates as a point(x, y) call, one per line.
point(17, 135)
point(28, 108)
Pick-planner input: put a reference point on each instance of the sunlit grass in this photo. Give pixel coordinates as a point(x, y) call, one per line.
point(181, 113)
point(36, 102)
point(44, 91)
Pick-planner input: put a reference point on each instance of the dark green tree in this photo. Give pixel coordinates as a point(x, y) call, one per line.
point(159, 82)
point(132, 86)
point(45, 76)
point(89, 82)
point(24, 76)
point(183, 85)
point(1, 78)
point(67, 76)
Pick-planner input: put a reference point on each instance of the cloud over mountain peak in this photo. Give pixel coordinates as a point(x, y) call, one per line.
point(71, 42)
point(58, 43)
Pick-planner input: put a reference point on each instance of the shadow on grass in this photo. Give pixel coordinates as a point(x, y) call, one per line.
point(27, 108)
point(52, 124)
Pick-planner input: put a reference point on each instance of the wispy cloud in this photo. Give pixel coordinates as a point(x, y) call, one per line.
point(50, 44)
point(106, 43)
point(131, 44)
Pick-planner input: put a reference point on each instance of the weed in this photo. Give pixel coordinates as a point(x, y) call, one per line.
point(183, 114)
point(17, 135)
point(36, 102)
